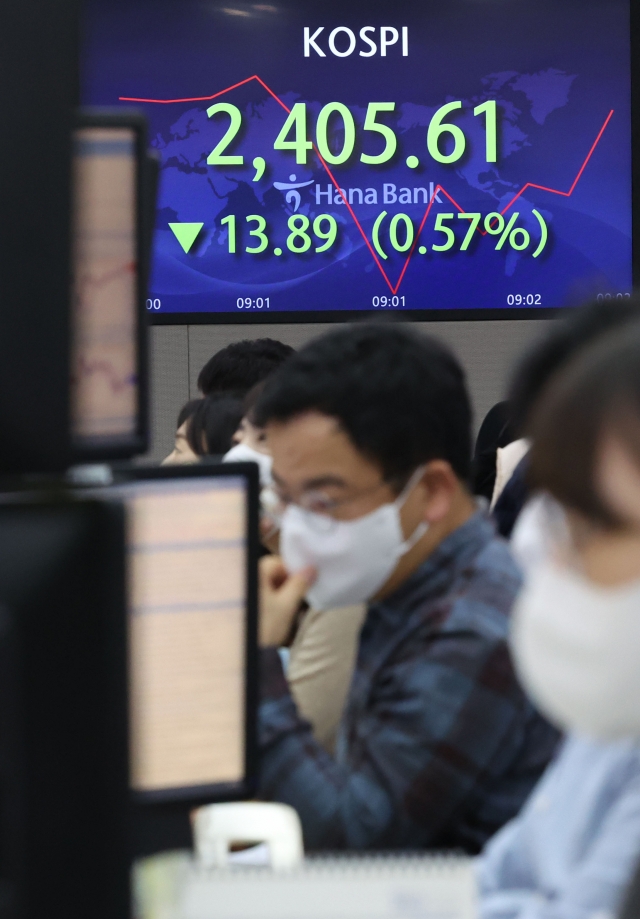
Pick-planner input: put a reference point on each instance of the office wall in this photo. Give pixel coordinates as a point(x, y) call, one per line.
point(487, 351)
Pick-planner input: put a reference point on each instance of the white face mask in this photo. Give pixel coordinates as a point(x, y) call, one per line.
point(241, 453)
point(577, 650)
point(353, 558)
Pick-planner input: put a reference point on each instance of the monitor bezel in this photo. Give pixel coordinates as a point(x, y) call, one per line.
point(176, 799)
point(85, 450)
point(453, 315)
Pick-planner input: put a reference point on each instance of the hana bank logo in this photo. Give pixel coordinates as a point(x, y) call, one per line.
point(293, 195)
point(388, 194)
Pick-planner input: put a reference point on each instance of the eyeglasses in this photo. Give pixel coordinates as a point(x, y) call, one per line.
point(318, 502)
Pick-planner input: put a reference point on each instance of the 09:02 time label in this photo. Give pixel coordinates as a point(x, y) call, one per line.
point(524, 300)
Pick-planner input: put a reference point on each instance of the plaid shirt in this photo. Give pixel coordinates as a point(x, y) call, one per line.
point(438, 746)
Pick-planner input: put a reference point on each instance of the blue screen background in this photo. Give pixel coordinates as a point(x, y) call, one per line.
point(556, 68)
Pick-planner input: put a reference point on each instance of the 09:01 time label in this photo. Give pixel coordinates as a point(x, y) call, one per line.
point(248, 303)
point(386, 302)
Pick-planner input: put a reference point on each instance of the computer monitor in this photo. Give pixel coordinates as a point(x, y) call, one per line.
point(192, 547)
point(109, 325)
point(323, 160)
point(38, 95)
point(63, 708)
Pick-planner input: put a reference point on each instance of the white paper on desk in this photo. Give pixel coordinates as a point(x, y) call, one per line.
point(333, 888)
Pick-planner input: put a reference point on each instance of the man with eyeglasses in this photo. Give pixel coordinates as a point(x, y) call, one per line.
point(369, 429)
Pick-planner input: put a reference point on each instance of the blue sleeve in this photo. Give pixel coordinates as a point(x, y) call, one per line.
point(506, 880)
point(594, 887)
point(441, 715)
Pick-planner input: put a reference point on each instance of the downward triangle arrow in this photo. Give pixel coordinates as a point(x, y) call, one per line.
point(186, 233)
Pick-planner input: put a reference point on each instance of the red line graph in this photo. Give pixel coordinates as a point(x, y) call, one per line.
point(555, 191)
point(87, 367)
point(105, 368)
point(393, 288)
point(101, 281)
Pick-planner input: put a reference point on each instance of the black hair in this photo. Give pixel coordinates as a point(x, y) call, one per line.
point(564, 340)
point(399, 395)
point(213, 424)
point(598, 392)
point(497, 430)
point(187, 411)
point(251, 400)
point(238, 367)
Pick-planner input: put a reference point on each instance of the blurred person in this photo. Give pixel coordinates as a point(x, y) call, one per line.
point(369, 428)
point(182, 452)
point(249, 442)
point(512, 497)
point(508, 459)
point(536, 370)
point(249, 445)
point(211, 428)
point(630, 908)
point(496, 432)
point(578, 329)
point(249, 433)
point(241, 365)
point(576, 639)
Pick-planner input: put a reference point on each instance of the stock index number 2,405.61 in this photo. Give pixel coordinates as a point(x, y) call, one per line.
point(294, 134)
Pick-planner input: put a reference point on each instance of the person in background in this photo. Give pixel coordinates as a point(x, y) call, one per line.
point(536, 371)
point(508, 459)
point(249, 442)
point(630, 908)
point(242, 365)
point(233, 372)
point(182, 452)
point(496, 432)
point(205, 428)
point(576, 637)
point(211, 428)
point(369, 429)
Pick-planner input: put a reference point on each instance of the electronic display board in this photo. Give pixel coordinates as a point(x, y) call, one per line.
point(324, 160)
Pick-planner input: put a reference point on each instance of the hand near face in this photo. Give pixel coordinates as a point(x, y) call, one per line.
point(270, 535)
point(281, 594)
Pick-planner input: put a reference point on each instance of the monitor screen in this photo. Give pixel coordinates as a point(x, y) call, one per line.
point(188, 580)
point(324, 160)
point(104, 375)
point(108, 358)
